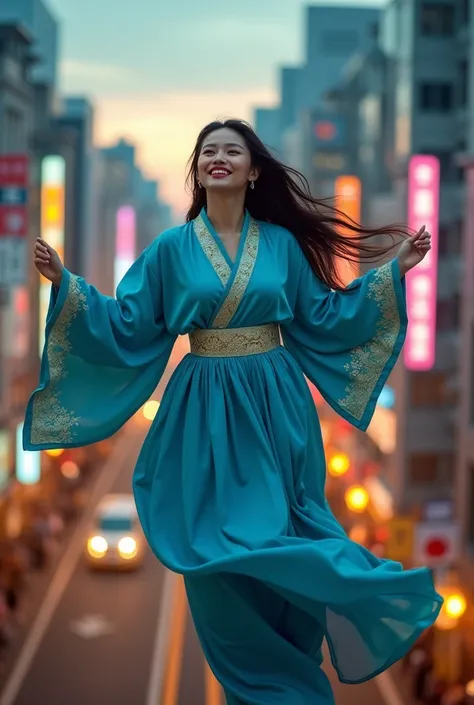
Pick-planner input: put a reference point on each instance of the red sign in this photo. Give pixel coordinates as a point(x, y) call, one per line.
point(325, 130)
point(14, 170)
point(13, 221)
point(13, 181)
point(436, 547)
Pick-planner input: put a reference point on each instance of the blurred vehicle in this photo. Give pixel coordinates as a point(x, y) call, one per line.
point(115, 540)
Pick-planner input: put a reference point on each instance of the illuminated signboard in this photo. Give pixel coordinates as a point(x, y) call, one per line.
point(124, 242)
point(348, 192)
point(27, 463)
point(328, 161)
point(4, 457)
point(423, 209)
point(328, 130)
point(53, 181)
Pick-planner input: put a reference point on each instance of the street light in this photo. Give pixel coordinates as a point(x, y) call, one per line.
point(339, 464)
point(454, 606)
point(356, 498)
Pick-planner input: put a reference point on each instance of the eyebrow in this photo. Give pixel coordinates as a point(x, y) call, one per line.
point(229, 144)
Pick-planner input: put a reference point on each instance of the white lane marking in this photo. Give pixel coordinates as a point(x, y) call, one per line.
point(64, 572)
point(388, 690)
point(91, 626)
point(160, 649)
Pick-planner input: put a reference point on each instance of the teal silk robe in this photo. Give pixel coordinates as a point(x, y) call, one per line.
point(230, 481)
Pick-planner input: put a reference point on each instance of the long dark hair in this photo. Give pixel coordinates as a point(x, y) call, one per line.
point(282, 196)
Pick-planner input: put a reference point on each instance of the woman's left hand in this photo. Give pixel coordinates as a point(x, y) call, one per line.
point(413, 250)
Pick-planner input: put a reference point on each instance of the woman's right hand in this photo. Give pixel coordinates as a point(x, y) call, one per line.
point(47, 262)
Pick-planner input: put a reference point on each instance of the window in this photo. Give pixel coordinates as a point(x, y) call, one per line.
point(339, 42)
point(427, 389)
point(471, 382)
point(429, 468)
point(15, 135)
point(471, 504)
point(446, 161)
point(447, 314)
point(116, 524)
point(423, 468)
point(450, 239)
point(437, 19)
point(436, 97)
point(463, 83)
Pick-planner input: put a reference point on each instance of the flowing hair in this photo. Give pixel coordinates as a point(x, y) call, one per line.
point(282, 196)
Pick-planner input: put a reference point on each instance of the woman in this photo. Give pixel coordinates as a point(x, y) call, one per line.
point(230, 481)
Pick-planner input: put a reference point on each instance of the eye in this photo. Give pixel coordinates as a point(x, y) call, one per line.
point(234, 151)
point(207, 151)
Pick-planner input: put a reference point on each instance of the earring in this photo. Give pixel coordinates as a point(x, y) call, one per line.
point(252, 184)
point(199, 183)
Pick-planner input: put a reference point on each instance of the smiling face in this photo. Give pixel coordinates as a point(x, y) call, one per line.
point(225, 161)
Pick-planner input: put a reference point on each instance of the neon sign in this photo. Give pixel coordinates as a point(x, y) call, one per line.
point(423, 209)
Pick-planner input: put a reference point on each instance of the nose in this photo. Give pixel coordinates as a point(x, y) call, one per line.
point(219, 158)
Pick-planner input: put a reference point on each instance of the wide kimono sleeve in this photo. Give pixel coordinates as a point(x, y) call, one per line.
point(103, 357)
point(347, 342)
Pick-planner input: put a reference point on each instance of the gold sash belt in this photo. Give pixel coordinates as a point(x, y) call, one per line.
point(234, 342)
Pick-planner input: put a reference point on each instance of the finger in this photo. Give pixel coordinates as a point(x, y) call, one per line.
point(42, 253)
point(418, 234)
point(44, 244)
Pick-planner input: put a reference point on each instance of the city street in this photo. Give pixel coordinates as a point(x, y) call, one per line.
point(122, 638)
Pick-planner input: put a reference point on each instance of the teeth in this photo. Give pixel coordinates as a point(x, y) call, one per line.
point(220, 171)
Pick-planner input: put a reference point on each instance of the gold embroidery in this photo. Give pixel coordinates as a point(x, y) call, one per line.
point(212, 251)
point(242, 278)
point(234, 342)
point(51, 422)
point(368, 360)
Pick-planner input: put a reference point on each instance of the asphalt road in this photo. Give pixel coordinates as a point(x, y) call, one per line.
point(122, 639)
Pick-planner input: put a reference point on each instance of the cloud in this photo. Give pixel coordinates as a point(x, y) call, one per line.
point(75, 69)
point(164, 127)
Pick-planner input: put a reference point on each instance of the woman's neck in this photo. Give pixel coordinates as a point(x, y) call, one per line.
point(226, 212)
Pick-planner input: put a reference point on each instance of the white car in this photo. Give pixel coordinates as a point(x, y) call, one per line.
point(115, 539)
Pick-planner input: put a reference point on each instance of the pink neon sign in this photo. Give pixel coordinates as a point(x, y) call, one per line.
point(423, 209)
point(125, 237)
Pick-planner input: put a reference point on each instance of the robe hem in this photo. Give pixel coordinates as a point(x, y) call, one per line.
point(56, 303)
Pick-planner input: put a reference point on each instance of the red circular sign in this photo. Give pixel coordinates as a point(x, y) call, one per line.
point(325, 130)
point(436, 547)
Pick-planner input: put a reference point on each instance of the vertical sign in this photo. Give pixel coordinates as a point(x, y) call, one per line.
point(124, 242)
point(348, 191)
point(13, 219)
point(53, 180)
point(27, 462)
point(423, 209)
point(4, 457)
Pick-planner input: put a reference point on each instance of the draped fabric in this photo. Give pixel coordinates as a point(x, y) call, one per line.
point(230, 481)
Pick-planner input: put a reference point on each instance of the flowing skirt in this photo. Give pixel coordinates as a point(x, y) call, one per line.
point(230, 491)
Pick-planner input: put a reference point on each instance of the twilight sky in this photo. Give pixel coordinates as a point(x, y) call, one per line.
point(158, 70)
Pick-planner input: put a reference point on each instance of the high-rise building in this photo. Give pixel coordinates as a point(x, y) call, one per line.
point(465, 465)
point(333, 35)
point(427, 54)
point(267, 127)
point(77, 116)
point(43, 27)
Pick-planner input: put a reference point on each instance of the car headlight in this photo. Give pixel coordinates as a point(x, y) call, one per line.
point(127, 547)
point(97, 546)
